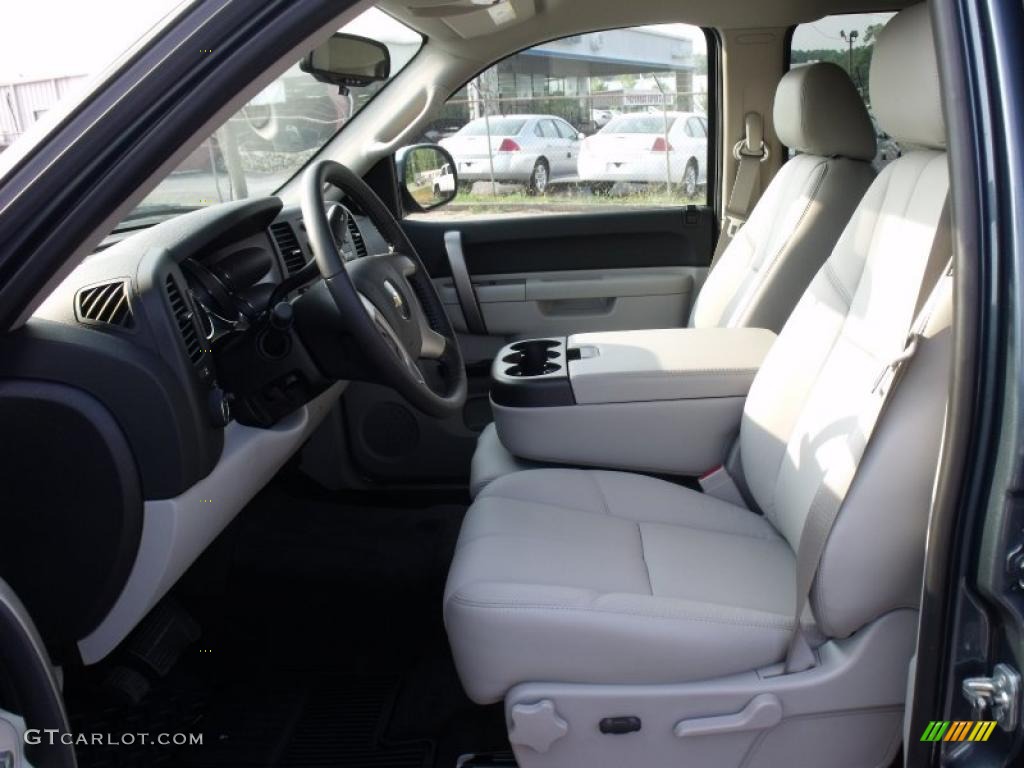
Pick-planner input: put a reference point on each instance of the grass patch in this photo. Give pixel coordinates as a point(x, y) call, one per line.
point(567, 199)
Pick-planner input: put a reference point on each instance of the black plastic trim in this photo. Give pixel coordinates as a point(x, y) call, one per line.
point(162, 417)
point(664, 237)
point(72, 513)
point(616, 726)
point(533, 393)
point(713, 44)
point(965, 620)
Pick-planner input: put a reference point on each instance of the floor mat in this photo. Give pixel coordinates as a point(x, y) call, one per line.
point(333, 722)
point(323, 644)
point(289, 724)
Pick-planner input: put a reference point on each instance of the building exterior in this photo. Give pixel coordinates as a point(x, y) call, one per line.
point(625, 70)
point(22, 103)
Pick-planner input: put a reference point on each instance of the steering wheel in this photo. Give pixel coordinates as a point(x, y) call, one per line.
point(387, 301)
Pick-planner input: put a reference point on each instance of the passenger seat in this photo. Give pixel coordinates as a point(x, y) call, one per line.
point(791, 231)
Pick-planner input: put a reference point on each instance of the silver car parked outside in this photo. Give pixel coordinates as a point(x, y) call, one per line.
point(535, 150)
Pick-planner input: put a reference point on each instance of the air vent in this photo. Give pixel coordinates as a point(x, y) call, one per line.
point(288, 245)
point(183, 317)
point(105, 304)
point(357, 237)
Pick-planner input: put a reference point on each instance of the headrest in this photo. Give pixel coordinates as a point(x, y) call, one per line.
point(818, 111)
point(905, 95)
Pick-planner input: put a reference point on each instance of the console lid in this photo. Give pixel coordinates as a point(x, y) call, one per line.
point(668, 364)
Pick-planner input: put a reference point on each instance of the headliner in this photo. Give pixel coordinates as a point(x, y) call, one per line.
point(474, 35)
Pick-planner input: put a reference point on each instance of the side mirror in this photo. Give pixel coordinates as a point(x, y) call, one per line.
point(348, 61)
point(427, 175)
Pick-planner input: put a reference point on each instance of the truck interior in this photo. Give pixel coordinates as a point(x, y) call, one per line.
point(364, 465)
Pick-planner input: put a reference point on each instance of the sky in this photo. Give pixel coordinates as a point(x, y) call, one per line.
point(825, 33)
point(686, 31)
point(90, 34)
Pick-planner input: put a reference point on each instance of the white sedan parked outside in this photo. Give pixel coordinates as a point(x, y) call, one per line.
point(535, 150)
point(648, 148)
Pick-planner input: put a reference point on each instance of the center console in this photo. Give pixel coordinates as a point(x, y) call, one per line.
point(666, 401)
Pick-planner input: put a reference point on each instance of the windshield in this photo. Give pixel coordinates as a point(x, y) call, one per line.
point(273, 136)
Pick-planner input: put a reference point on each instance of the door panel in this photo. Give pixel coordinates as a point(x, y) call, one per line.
point(512, 244)
point(561, 303)
point(556, 275)
point(531, 276)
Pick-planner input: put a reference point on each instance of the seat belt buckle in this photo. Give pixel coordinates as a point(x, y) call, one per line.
point(718, 483)
point(892, 369)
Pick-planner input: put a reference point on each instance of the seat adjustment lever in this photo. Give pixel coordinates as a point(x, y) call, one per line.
point(762, 712)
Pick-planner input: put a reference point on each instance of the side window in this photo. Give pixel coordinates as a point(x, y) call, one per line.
point(847, 40)
point(565, 130)
point(632, 93)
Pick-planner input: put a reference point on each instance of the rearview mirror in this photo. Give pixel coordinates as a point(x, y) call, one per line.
point(427, 175)
point(348, 61)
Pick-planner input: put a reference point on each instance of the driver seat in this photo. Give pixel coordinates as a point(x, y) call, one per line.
point(625, 620)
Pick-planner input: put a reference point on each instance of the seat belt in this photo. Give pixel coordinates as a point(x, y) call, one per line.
point(750, 152)
point(835, 484)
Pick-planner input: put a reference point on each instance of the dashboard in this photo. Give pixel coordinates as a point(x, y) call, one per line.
point(178, 360)
point(186, 299)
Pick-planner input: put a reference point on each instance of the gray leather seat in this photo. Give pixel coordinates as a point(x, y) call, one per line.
point(766, 267)
point(608, 577)
point(768, 264)
point(613, 581)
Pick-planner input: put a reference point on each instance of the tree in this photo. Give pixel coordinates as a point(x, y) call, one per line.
point(861, 59)
point(871, 33)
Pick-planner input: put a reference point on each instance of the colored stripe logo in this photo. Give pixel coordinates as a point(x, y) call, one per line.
point(959, 730)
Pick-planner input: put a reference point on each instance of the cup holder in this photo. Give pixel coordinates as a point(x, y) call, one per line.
point(517, 358)
point(519, 370)
point(532, 358)
point(533, 344)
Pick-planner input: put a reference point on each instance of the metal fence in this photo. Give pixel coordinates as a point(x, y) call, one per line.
point(609, 143)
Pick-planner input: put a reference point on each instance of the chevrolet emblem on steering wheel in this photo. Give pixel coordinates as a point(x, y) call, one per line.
point(397, 300)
